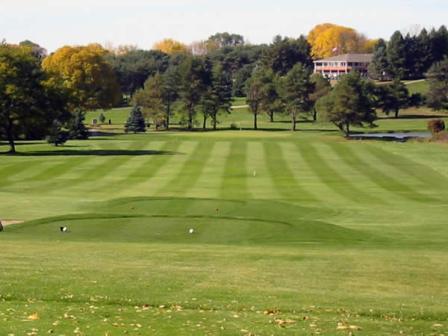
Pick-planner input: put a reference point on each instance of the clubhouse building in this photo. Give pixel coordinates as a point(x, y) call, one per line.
point(336, 66)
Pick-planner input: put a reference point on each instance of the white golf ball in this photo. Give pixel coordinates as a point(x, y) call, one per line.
point(191, 231)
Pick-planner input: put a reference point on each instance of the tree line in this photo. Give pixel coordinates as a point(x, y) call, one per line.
point(48, 95)
point(408, 56)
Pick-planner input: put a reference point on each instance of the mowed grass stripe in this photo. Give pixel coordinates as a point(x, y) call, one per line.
point(234, 179)
point(377, 176)
point(284, 180)
point(260, 181)
point(305, 176)
point(331, 177)
point(424, 173)
point(208, 184)
point(158, 183)
point(190, 171)
point(11, 174)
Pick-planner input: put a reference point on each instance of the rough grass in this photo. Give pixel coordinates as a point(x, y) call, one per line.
point(294, 234)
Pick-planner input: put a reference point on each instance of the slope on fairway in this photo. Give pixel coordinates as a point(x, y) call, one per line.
point(168, 220)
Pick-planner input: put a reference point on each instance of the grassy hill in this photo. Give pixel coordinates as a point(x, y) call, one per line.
point(303, 233)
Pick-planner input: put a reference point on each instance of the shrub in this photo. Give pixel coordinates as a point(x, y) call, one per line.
point(436, 125)
point(234, 126)
point(102, 118)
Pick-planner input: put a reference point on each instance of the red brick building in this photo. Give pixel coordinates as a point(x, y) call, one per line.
point(336, 66)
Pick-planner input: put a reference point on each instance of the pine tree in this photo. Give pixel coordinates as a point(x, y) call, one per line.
point(57, 135)
point(349, 104)
point(77, 129)
point(437, 96)
point(379, 68)
point(396, 56)
point(394, 97)
point(136, 121)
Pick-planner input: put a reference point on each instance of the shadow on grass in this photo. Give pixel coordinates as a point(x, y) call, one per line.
point(414, 116)
point(94, 152)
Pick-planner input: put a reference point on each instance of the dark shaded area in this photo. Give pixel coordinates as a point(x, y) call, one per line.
point(416, 116)
point(95, 152)
point(390, 136)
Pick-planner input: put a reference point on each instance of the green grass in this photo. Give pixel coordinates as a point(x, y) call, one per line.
point(421, 86)
point(306, 227)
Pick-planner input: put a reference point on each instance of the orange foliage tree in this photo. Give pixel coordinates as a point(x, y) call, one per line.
point(170, 46)
point(329, 40)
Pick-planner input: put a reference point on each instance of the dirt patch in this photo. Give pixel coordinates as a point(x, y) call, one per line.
point(6, 222)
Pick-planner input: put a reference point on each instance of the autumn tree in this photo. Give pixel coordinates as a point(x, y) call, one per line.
point(348, 104)
point(84, 71)
point(296, 90)
point(29, 101)
point(329, 39)
point(170, 47)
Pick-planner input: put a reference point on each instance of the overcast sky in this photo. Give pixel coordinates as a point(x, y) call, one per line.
point(54, 23)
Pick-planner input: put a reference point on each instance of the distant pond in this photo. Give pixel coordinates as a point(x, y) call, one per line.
point(391, 136)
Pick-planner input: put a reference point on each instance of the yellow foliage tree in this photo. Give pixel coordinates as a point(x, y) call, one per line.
point(329, 40)
point(170, 46)
point(84, 71)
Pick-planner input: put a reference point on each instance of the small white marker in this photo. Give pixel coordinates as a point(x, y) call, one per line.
point(255, 173)
point(191, 231)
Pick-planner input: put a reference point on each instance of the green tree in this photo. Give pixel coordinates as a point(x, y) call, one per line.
point(29, 101)
point(136, 121)
point(296, 90)
point(76, 127)
point(218, 96)
point(393, 97)
point(349, 104)
point(437, 97)
point(321, 87)
point(133, 67)
point(195, 77)
point(396, 56)
point(284, 53)
point(255, 94)
point(57, 135)
point(379, 68)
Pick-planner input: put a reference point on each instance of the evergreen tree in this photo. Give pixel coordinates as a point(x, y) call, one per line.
point(424, 58)
point(379, 68)
point(76, 128)
point(136, 121)
point(57, 135)
point(296, 90)
point(393, 97)
point(396, 56)
point(437, 97)
point(284, 53)
point(439, 44)
point(349, 104)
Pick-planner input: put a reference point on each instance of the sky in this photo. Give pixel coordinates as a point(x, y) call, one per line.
point(55, 23)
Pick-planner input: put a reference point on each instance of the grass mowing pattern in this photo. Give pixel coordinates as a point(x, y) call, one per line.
point(311, 237)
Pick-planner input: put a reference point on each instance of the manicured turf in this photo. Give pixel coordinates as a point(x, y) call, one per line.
point(294, 234)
